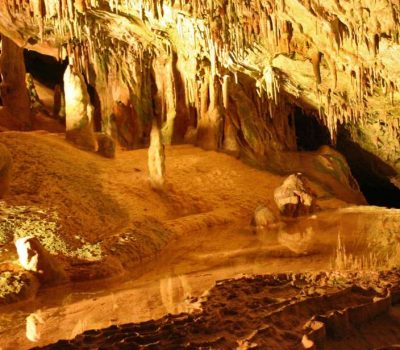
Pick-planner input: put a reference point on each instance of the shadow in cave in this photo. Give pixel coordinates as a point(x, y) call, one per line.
point(311, 134)
point(45, 69)
point(95, 101)
point(371, 173)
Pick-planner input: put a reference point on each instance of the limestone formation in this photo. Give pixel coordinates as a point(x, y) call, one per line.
point(5, 169)
point(231, 70)
point(79, 111)
point(33, 257)
point(294, 197)
point(156, 158)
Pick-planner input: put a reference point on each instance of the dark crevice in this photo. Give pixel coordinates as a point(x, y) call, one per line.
point(96, 103)
point(45, 69)
point(311, 134)
point(373, 175)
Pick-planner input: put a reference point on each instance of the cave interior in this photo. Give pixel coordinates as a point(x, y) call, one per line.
point(206, 174)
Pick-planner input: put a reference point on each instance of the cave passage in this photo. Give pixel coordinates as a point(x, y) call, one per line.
point(45, 69)
point(370, 172)
point(310, 133)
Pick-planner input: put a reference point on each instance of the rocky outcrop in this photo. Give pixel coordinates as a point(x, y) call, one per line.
point(294, 197)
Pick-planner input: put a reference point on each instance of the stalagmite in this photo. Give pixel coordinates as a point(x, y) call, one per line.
point(156, 158)
point(79, 111)
point(209, 135)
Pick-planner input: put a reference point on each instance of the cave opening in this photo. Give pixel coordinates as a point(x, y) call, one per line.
point(46, 86)
point(371, 173)
point(45, 69)
point(311, 134)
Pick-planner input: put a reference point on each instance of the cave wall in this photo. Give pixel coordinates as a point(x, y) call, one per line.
point(225, 74)
point(15, 110)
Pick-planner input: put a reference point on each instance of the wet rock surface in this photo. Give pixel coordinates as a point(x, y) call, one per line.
point(276, 311)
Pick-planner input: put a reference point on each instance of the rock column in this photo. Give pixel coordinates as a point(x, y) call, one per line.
point(78, 110)
point(13, 91)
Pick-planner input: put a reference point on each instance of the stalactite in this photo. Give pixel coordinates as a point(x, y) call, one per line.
point(225, 91)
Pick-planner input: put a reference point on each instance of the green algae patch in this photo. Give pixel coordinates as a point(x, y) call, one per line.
point(21, 221)
point(16, 286)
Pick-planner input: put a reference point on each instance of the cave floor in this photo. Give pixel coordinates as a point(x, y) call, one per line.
point(159, 252)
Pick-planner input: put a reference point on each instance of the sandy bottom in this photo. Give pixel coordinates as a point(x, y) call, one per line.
point(161, 251)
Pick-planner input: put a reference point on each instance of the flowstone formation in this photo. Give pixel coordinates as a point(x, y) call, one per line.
point(227, 74)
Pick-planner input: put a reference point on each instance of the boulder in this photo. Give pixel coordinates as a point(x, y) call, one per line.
point(5, 169)
point(295, 197)
point(263, 217)
point(33, 257)
point(106, 145)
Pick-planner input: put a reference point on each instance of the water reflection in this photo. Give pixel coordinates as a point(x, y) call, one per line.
point(34, 325)
point(188, 268)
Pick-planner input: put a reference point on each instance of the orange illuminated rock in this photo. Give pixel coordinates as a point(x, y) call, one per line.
point(294, 197)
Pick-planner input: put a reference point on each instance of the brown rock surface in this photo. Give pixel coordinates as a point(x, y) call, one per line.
point(5, 170)
point(13, 91)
